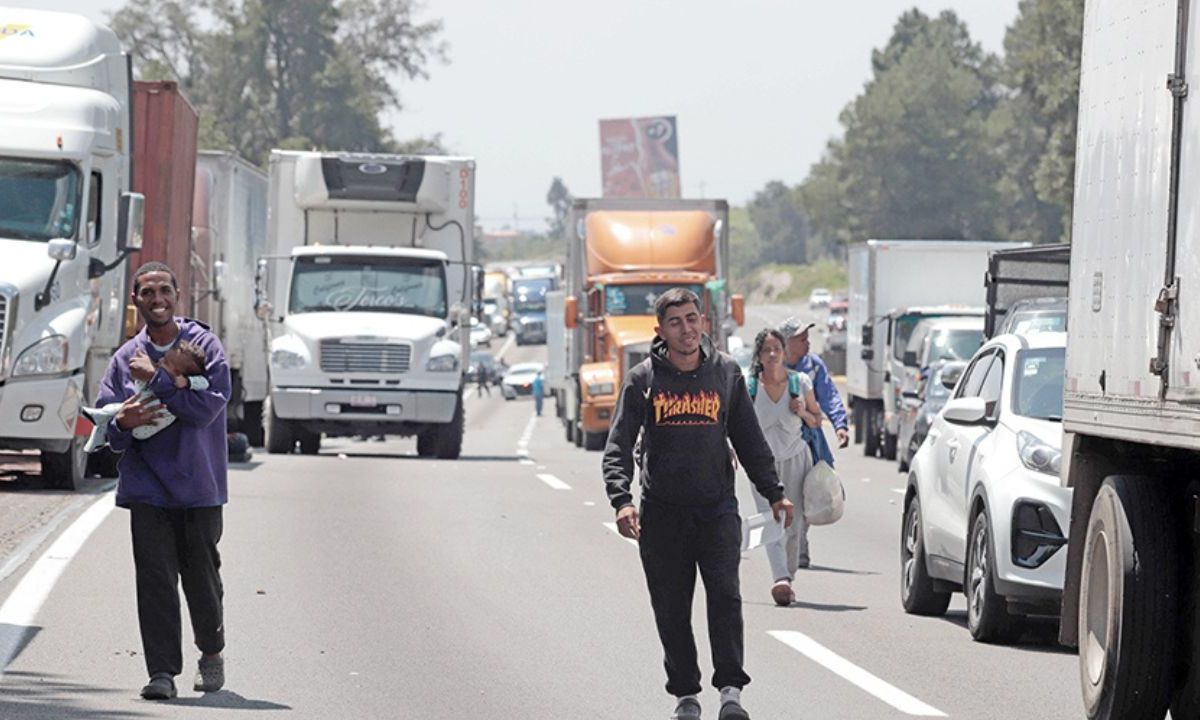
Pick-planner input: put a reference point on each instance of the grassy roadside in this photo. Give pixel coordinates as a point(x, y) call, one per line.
point(793, 283)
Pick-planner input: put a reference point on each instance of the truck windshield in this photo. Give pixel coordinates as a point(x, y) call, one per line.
point(39, 199)
point(955, 345)
point(1038, 383)
point(369, 284)
point(530, 295)
point(639, 299)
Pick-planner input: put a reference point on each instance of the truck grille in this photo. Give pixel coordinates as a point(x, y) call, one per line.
point(339, 356)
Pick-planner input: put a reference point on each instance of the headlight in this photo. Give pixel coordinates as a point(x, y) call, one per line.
point(601, 388)
point(1037, 455)
point(442, 363)
point(45, 357)
point(287, 360)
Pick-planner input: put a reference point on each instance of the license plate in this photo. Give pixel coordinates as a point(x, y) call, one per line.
point(363, 401)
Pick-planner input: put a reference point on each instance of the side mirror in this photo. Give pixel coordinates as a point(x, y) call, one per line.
point(951, 376)
point(61, 249)
point(965, 411)
point(571, 313)
point(220, 273)
point(737, 308)
point(868, 335)
point(910, 358)
point(868, 354)
point(131, 222)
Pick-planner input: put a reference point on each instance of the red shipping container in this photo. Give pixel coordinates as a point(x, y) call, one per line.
point(164, 170)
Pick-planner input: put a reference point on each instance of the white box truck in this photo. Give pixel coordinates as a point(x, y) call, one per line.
point(229, 221)
point(1131, 398)
point(893, 285)
point(67, 221)
point(368, 287)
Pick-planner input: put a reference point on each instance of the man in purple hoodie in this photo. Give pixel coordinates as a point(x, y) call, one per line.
point(173, 483)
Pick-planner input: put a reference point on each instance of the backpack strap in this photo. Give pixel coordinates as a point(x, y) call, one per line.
point(793, 383)
point(752, 386)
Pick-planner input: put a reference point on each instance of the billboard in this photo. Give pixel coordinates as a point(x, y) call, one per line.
point(639, 157)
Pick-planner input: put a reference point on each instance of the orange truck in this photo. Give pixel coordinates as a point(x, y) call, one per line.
point(621, 255)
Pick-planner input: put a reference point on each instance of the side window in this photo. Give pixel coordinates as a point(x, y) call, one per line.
point(95, 214)
point(969, 386)
point(993, 385)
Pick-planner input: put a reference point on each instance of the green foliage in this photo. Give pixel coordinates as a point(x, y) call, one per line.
point(559, 198)
point(523, 247)
point(781, 225)
point(778, 283)
point(295, 74)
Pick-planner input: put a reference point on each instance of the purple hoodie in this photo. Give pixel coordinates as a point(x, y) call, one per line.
point(185, 464)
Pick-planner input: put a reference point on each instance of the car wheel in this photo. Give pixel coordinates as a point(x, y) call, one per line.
point(988, 618)
point(917, 592)
point(1128, 602)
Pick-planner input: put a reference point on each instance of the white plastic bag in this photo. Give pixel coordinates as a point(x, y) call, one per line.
point(824, 496)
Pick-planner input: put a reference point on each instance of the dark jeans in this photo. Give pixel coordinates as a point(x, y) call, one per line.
point(170, 545)
point(675, 542)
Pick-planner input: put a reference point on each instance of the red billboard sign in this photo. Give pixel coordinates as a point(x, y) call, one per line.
point(640, 157)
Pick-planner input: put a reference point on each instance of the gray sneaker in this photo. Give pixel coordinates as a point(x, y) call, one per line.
point(687, 709)
point(160, 687)
point(210, 674)
point(733, 711)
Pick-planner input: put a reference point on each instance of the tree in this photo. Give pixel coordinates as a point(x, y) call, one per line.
point(781, 225)
point(1035, 128)
point(284, 73)
point(560, 199)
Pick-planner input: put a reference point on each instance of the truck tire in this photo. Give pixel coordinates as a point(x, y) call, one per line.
point(917, 593)
point(856, 417)
point(988, 618)
point(450, 436)
point(889, 445)
point(569, 425)
point(103, 463)
point(426, 443)
point(280, 438)
point(310, 443)
point(252, 423)
point(593, 441)
point(1128, 601)
point(65, 470)
point(870, 433)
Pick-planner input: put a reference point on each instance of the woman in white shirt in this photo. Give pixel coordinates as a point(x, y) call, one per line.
point(783, 407)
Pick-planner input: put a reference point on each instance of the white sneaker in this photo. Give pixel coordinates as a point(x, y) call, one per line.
point(688, 708)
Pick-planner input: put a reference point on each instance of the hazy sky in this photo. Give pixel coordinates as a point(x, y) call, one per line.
point(756, 85)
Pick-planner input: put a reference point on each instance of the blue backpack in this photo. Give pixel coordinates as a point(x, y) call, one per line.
point(793, 385)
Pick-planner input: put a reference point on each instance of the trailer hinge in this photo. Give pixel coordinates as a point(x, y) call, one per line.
point(1177, 85)
point(1165, 307)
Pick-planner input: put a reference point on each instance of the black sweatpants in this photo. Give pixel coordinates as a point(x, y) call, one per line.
point(170, 545)
point(675, 541)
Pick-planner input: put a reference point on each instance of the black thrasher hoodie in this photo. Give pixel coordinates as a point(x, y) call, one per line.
point(687, 417)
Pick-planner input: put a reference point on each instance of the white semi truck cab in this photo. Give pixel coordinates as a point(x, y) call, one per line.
point(366, 292)
point(67, 222)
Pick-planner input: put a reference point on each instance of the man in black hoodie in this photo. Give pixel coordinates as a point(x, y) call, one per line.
point(689, 401)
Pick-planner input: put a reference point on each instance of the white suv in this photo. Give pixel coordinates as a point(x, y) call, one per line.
point(819, 298)
point(984, 512)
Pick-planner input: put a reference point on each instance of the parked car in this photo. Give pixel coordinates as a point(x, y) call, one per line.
point(484, 366)
point(819, 298)
point(495, 316)
point(481, 334)
point(984, 511)
point(519, 380)
point(1035, 315)
point(920, 407)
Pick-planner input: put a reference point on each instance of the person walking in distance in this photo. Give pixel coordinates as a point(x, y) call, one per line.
point(785, 405)
point(687, 401)
point(173, 484)
point(801, 359)
point(539, 393)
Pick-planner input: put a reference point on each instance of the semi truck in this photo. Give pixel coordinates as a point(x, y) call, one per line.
point(528, 302)
point(69, 217)
point(1131, 398)
point(621, 255)
point(891, 290)
point(367, 289)
point(229, 220)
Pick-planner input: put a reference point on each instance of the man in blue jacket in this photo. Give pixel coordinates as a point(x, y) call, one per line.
point(173, 483)
point(800, 359)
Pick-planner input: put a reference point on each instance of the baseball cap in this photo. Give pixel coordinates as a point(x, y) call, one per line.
point(793, 326)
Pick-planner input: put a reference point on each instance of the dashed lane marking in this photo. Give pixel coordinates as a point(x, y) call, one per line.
point(553, 482)
point(899, 491)
point(837, 664)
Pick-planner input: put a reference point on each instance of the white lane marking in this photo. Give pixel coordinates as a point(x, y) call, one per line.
point(21, 608)
point(23, 552)
point(589, 503)
point(526, 461)
point(613, 526)
point(508, 343)
point(553, 481)
point(886, 692)
point(899, 491)
point(866, 479)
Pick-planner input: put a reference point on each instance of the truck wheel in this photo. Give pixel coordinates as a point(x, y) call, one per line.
point(593, 441)
point(889, 445)
point(103, 463)
point(856, 416)
point(578, 435)
point(252, 423)
point(987, 612)
point(426, 443)
point(570, 430)
point(279, 436)
point(310, 443)
point(1128, 601)
point(450, 436)
point(917, 593)
point(870, 433)
point(65, 470)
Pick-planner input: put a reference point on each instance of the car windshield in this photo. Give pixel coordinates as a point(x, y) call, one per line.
point(374, 284)
point(639, 299)
point(1038, 383)
point(955, 344)
point(39, 199)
